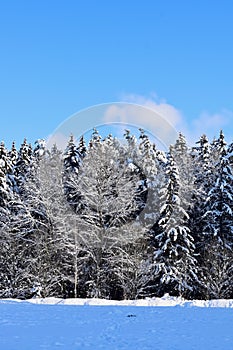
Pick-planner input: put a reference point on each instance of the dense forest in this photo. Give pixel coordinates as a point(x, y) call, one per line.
point(117, 219)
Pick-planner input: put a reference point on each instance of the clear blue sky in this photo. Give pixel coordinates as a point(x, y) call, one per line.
point(58, 57)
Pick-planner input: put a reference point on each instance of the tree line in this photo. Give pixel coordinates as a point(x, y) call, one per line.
point(117, 219)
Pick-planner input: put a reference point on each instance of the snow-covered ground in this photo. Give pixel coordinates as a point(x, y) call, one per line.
point(151, 324)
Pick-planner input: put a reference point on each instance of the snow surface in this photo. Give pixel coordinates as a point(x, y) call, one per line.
point(69, 324)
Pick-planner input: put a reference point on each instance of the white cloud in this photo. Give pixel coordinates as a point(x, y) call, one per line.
point(154, 115)
point(143, 116)
point(211, 124)
point(162, 119)
point(205, 123)
point(166, 110)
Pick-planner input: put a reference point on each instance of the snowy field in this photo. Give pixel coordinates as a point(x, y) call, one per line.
point(166, 323)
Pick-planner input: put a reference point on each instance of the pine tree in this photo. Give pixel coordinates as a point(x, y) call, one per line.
point(82, 149)
point(5, 193)
point(5, 198)
point(217, 228)
point(148, 163)
point(217, 147)
point(203, 179)
point(117, 220)
point(11, 207)
point(40, 148)
point(72, 158)
point(95, 138)
point(12, 156)
point(22, 166)
point(140, 160)
point(185, 165)
point(230, 154)
point(174, 261)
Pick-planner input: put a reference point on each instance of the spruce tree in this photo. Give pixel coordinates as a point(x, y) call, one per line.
point(22, 166)
point(174, 265)
point(217, 228)
point(72, 158)
point(5, 190)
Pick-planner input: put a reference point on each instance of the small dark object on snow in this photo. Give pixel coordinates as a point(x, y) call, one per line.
point(131, 315)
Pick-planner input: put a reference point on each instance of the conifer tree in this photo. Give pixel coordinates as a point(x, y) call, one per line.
point(148, 162)
point(203, 181)
point(117, 220)
point(217, 228)
point(185, 165)
point(22, 166)
point(5, 192)
point(40, 148)
point(12, 156)
point(72, 158)
point(82, 149)
point(174, 264)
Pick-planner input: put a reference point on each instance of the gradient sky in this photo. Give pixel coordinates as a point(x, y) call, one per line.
point(58, 57)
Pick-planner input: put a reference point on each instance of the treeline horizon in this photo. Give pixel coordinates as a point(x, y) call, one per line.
point(117, 220)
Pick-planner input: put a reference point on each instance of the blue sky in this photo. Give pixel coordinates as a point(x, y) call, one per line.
point(59, 57)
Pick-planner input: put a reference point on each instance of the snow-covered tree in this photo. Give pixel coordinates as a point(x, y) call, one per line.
point(117, 220)
point(12, 156)
point(82, 148)
point(95, 138)
point(60, 248)
point(149, 166)
point(107, 186)
point(72, 159)
point(40, 148)
point(5, 191)
point(218, 228)
point(28, 222)
point(186, 168)
point(217, 146)
point(22, 166)
point(174, 265)
point(5, 199)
